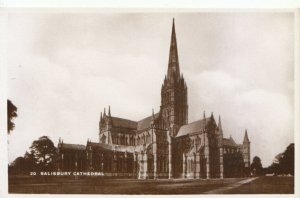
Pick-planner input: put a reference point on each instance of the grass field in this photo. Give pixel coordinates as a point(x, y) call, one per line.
point(266, 185)
point(55, 185)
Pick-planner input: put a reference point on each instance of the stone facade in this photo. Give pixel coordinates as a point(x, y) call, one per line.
point(162, 145)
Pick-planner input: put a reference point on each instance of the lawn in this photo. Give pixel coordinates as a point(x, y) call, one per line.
point(70, 185)
point(266, 185)
point(54, 185)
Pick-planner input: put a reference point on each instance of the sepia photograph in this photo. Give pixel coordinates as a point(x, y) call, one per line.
point(145, 102)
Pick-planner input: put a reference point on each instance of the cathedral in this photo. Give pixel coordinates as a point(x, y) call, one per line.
point(163, 145)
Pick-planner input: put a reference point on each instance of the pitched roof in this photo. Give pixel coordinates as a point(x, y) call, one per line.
point(123, 123)
point(146, 122)
point(229, 142)
point(73, 146)
point(192, 127)
point(101, 145)
point(120, 148)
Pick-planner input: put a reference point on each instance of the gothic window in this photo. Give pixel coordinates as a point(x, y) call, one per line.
point(103, 139)
point(148, 138)
point(162, 164)
point(199, 141)
point(138, 140)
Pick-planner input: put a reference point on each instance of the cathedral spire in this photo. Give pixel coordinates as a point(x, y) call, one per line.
point(173, 67)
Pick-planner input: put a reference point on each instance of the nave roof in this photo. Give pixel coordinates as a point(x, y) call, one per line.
point(193, 127)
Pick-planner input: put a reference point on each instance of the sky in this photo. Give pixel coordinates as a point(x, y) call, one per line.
point(65, 68)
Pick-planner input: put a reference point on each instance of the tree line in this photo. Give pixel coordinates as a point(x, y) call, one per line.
point(283, 164)
point(41, 156)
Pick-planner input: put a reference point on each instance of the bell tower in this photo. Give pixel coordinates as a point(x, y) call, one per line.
point(174, 106)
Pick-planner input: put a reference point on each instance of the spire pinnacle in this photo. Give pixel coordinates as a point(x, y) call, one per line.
point(220, 124)
point(104, 113)
point(173, 67)
point(246, 139)
point(153, 117)
point(109, 110)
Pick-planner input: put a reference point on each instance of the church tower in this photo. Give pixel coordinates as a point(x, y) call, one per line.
point(174, 106)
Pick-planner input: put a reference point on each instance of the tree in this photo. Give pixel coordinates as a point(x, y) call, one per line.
point(275, 166)
point(256, 167)
point(42, 153)
point(286, 162)
point(17, 166)
point(11, 114)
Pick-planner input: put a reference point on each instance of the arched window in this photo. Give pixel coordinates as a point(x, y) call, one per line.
point(148, 138)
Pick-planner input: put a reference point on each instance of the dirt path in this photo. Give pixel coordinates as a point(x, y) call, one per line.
point(230, 186)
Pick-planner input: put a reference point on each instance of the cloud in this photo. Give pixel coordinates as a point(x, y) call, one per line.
point(268, 116)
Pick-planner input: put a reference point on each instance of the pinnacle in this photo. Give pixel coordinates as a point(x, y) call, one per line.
point(246, 139)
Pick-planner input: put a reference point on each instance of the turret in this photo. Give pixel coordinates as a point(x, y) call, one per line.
point(246, 139)
point(220, 125)
point(100, 122)
point(104, 113)
point(152, 118)
point(246, 150)
point(109, 120)
point(220, 132)
point(109, 111)
point(220, 145)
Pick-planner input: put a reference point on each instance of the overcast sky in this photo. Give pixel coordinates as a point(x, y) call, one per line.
point(63, 69)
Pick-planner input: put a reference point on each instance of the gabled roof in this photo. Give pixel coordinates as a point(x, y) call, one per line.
point(193, 127)
point(120, 148)
point(100, 145)
point(73, 146)
point(123, 123)
point(146, 122)
point(229, 142)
